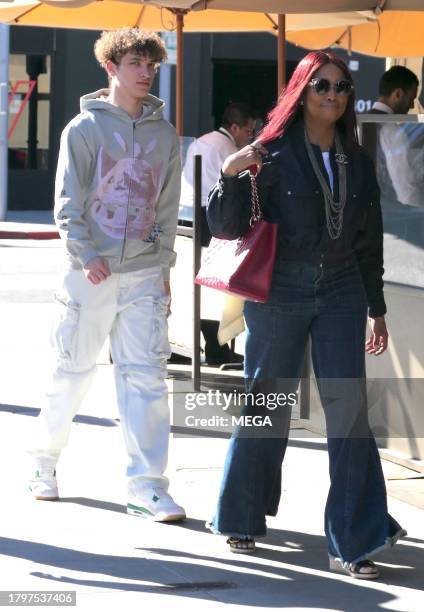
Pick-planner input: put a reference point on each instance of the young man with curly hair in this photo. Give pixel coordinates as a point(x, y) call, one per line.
point(116, 206)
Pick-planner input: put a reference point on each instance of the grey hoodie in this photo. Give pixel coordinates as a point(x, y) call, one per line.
point(118, 186)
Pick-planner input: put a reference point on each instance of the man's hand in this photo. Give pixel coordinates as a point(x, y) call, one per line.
point(96, 270)
point(377, 342)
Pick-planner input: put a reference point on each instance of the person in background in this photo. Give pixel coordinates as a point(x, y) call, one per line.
point(397, 90)
point(236, 131)
point(399, 147)
point(319, 186)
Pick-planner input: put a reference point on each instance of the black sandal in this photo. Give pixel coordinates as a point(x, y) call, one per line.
point(245, 546)
point(364, 570)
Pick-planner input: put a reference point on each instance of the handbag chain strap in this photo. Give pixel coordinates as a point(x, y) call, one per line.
point(256, 213)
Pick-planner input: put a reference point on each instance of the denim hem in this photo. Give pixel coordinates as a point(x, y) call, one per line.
point(232, 534)
point(389, 543)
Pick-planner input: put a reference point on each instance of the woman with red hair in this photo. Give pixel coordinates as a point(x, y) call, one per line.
point(319, 186)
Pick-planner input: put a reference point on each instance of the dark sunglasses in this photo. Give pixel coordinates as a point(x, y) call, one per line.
point(323, 86)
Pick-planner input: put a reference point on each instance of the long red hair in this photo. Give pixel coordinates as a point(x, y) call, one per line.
point(288, 108)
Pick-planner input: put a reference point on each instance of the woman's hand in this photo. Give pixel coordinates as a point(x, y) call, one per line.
point(251, 155)
point(377, 342)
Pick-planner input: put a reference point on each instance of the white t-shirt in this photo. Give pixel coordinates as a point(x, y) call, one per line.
point(327, 164)
point(214, 148)
point(403, 147)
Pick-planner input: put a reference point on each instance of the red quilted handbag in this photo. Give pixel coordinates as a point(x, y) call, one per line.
point(244, 266)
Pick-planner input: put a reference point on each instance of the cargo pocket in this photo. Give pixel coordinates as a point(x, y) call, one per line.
point(159, 343)
point(65, 335)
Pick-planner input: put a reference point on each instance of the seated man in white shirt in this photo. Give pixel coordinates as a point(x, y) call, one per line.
point(236, 131)
point(400, 150)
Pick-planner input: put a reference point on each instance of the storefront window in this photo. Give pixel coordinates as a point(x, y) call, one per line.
point(29, 118)
point(397, 145)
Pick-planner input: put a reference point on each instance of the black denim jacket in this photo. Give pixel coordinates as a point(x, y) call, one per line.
point(292, 197)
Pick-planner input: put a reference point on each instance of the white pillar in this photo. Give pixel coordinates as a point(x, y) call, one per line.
point(4, 115)
point(165, 92)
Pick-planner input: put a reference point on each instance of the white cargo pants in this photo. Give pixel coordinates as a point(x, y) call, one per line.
point(131, 308)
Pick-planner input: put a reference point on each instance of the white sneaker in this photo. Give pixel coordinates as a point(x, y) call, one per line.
point(155, 504)
point(43, 485)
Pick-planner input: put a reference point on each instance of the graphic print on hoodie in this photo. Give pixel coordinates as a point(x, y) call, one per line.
point(118, 185)
point(125, 200)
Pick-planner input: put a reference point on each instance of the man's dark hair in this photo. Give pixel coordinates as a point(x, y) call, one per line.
point(397, 76)
point(238, 113)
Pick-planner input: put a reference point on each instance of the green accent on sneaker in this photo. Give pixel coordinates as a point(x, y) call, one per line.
point(139, 509)
point(37, 474)
point(155, 498)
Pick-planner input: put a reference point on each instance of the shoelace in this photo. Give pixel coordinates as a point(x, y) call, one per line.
point(44, 470)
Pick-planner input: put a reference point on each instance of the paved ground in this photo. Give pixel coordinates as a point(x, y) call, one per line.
point(87, 543)
point(35, 224)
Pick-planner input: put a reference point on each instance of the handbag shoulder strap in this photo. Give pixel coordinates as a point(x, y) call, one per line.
point(255, 208)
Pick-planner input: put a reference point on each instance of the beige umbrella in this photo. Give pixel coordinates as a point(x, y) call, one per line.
point(392, 33)
point(110, 14)
point(200, 16)
point(290, 6)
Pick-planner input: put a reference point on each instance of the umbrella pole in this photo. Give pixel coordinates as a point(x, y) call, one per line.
point(4, 112)
point(281, 66)
point(179, 76)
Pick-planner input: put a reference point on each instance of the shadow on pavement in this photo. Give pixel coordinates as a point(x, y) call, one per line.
point(94, 503)
point(79, 418)
point(191, 524)
point(239, 580)
point(296, 441)
point(313, 557)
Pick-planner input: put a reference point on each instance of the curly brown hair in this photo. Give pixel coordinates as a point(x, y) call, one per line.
point(113, 45)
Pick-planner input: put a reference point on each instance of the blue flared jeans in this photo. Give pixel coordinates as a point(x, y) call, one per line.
point(328, 305)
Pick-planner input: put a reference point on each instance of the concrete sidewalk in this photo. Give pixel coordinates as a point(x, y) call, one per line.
point(28, 224)
point(88, 544)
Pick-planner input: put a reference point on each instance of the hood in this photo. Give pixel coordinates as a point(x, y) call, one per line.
point(96, 101)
